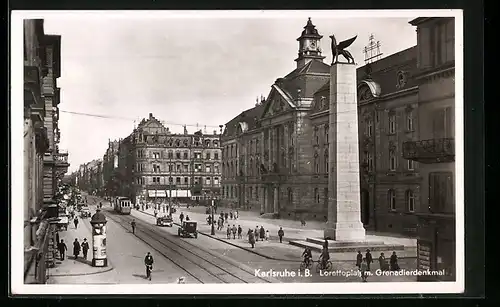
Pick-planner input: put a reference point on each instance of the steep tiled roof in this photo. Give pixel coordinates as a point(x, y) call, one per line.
point(385, 71)
point(250, 117)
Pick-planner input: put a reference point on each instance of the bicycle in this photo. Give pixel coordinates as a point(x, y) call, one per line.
point(306, 264)
point(149, 269)
point(320, 267)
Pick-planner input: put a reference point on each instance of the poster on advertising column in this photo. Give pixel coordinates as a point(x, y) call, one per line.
point(99, 247)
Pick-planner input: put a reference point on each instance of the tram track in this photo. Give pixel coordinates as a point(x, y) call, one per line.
point(202, 265)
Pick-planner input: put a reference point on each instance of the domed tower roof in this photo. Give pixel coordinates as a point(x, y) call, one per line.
point(310, 31)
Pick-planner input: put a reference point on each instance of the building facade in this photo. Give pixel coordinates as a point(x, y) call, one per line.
point(276, 159)
point(44, 164)
point(152, 164)
point(435, 148)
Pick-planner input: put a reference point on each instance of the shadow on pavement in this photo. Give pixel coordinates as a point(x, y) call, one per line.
point(139, 276)
point(83, 260)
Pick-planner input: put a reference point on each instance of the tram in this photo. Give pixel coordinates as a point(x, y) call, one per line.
point(122, 205)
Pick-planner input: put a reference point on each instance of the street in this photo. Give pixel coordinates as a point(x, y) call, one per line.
point(203, 259)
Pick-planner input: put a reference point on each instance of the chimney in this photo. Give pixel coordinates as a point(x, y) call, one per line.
point(150, 115)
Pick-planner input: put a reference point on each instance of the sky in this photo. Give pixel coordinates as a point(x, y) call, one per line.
point(186, 70)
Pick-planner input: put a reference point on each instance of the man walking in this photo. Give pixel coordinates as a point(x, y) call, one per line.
point(76, 248)
point(240, 230)
point(369, 259)
point(234, 231)
point(85, 248)
point(75, 221)
point(61, 246)
point(133, 226)
point(281, 234)
point(181, 217)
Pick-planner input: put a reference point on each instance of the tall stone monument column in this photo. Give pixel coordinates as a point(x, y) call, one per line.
point(344, 204)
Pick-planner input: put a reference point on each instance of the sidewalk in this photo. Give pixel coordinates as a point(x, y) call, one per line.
point(80, 266)
point(272, 249)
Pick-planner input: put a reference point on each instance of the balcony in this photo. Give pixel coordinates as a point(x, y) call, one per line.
point(430, 151)
point(61, 161)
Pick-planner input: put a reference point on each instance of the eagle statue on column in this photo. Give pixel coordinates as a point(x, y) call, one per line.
point(339, 49)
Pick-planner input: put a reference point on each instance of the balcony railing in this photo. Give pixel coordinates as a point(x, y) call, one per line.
point(430, 151)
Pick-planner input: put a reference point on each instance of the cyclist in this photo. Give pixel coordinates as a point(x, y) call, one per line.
point(325, 256)
point(307, 255)
point(148, 261)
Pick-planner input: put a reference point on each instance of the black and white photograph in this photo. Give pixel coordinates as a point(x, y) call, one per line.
point(237, 152)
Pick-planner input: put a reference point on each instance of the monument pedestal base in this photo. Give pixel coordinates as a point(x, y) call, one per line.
point(345, 232)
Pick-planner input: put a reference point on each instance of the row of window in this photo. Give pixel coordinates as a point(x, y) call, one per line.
point(178, 180)
point(178, 155)
point(409, 200)
point(180, 143)
point(180, 168)
point(393, 162)
point(392, 123)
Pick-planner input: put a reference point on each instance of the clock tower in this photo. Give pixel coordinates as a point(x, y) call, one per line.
point(309, 47)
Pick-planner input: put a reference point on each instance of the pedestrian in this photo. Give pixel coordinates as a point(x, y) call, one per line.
point(228, 232)
point(231, 214)
point(251, 238)
point(236, 215)
point(234, 231)
point(75, 221)
point(303, 221)
point(256, 233)
point(85, 248)
point(226, 216)
point(262, 233)
point(156, 212)
point(363, 269)
point(394, 262)
point(76, 248)
point(281, 234)
point(62, 249)
point(369, 258)
point(57, 238)
point(382, 262)
point(133, 226)
point(187, 218)
point(240, 230)
point(359, 259)
point(142, 206)
point(181, 217)
point(267, 235)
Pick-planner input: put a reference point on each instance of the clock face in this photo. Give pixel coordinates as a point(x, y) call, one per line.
point(313, 44)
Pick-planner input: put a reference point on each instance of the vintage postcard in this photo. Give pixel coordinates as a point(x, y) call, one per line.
point(191, 152)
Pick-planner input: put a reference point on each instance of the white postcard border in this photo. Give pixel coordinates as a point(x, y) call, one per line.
point(17, 167)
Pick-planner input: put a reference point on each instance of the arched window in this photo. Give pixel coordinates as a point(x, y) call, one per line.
point(325, 162)
point(316, 164)
point(316, 195)
point(391, 199)
point(369, 127)
point(392, 160)
point(410, 200)
point(290, 196)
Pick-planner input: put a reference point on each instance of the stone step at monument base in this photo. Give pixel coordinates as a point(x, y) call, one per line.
point(346, 247)
point(320, 241)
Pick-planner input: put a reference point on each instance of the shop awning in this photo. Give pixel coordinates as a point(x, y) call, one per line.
point(157, 193)
point(180, 193)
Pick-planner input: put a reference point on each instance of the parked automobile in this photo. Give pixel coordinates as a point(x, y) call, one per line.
point(84, 212)
point(188, 229)
point(165, 221)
